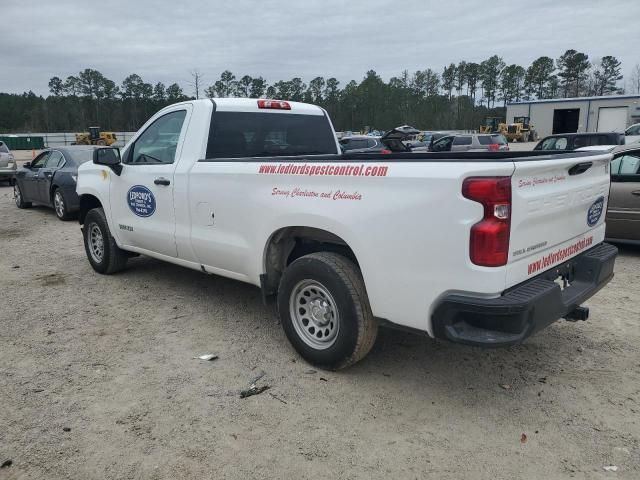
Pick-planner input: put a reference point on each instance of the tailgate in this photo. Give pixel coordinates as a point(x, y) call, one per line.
point(558, 211)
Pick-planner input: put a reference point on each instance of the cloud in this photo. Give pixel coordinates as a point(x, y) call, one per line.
point(281, 39)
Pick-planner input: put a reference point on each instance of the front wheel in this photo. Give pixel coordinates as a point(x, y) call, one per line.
point(102, 251)
point(325, 311)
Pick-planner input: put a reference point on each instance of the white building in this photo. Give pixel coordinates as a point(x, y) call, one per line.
point(612, 113)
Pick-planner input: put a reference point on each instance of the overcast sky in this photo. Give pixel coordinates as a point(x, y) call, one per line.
point(281, 39)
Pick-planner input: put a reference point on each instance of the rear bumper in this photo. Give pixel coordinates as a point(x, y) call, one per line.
point(526, 308)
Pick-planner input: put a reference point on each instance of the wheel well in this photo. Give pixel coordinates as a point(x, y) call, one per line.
point(51, 190)
point(87, 202)
point(291, 243)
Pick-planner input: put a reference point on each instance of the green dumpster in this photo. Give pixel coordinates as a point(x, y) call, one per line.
point(15, 142)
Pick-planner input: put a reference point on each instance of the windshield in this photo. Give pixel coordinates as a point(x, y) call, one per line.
point(262, 134)
point(633, 130)
point(82, 156)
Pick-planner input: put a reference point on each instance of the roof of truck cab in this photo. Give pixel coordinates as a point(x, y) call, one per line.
point(251, 105)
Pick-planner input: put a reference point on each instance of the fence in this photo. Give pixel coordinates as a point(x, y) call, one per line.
point(67, 138)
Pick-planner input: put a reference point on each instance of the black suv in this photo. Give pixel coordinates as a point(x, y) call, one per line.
point(572, 141)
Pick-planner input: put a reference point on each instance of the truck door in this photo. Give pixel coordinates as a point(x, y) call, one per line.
point(141, 197)
point(55, 161)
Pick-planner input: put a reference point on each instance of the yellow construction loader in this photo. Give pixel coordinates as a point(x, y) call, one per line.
point(493, 125)
point(95, 137)
point(521, 130)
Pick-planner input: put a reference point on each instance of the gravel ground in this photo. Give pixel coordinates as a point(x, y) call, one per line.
point(98, 380)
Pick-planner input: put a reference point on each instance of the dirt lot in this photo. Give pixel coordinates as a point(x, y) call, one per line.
point(98, 380)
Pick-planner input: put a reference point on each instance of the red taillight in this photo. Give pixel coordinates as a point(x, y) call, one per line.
point(493, 147)
point(489, 240)
point(274, 104)
point(384, 150)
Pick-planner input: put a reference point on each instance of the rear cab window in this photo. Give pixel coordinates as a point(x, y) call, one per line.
point(584, 141)
point(554, 143)
point(270, 134)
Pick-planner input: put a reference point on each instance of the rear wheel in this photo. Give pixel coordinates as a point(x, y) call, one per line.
point(60, 205)
point(325, 311)
point(102, 251)
point(18, 198)
point(101, 142)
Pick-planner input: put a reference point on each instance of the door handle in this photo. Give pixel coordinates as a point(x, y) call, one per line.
point(636, 192)
point(580, 168)
point(162, 181)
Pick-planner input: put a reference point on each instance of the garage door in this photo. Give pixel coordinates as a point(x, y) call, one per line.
point(612, 119)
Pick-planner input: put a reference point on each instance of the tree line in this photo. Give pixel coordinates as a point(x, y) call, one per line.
point(458, 97)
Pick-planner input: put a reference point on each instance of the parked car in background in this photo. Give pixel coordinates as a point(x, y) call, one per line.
point(573, 141)
point(471, 143)
point(623, 215)
point(7, 164)
point(426, 141)
point(363, 143)
point(395, 140)
point(50, 179)
point(632, 134)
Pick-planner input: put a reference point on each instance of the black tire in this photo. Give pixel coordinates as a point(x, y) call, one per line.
point(112, 259)
point(357, 328)
point(18, 198)
point(62, 210)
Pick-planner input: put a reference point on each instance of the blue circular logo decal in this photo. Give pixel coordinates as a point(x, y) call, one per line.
point(595, 212)
point(141, 201)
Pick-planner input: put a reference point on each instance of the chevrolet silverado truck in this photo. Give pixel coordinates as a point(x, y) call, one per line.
point(478, 248)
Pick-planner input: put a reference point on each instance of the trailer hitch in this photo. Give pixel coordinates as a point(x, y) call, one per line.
point(578, 313)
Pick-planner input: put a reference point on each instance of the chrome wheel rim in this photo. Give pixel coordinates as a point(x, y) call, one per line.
point(314, 314)
point(96, 243)
point(58, 203)
point(17, 196)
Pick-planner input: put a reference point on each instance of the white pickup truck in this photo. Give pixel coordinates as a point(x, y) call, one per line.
point(478, 248)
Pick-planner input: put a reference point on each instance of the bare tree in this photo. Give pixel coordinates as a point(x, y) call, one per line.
point(196, 82)
point(634, 80)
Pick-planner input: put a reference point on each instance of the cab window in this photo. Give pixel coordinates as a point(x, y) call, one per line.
point(633, 130)
point(40, 160)
point(158, 143)
point(442, 145)
point(626, 165)
point(462, 141)
point(55, 160)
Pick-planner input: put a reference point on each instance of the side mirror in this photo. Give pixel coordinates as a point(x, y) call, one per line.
point(26, 165)
point(109, 157)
